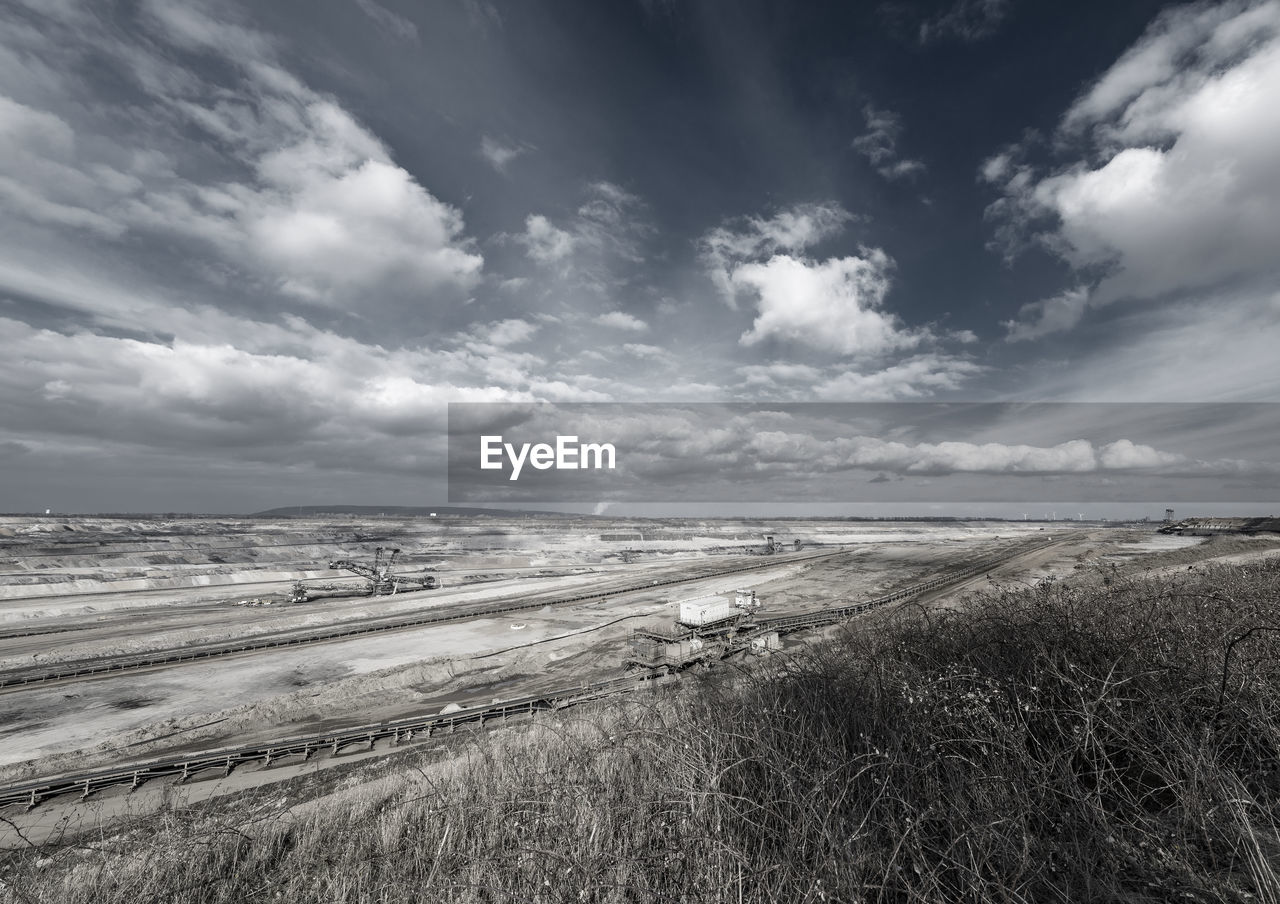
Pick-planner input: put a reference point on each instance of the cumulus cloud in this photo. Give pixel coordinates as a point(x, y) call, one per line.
point(736, 445)
point(795, 452)
point(340, 230)
point(1178, 185)
point(621, 320)
point(297, 194)
point(790, 230)
point(1125, 454)
point(642, 350)
point(543, 241)
point(879, 144)
point(1074, 456)
point(834, 305)
point(511, 332)
point(296, 393)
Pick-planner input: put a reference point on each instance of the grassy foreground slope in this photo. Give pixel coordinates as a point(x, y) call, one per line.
point(1113, 740)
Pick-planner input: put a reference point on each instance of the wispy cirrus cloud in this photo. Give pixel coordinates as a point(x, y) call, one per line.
point(501, 153)
point(393, 23)
point(967, 20)
point(879, 144)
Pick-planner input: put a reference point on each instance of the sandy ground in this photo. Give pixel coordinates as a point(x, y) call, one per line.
point(81, 724)
point(68, 725)
point(155, 628)
point(255, 698)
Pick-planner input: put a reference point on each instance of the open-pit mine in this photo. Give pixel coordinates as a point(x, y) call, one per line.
point(143, 655)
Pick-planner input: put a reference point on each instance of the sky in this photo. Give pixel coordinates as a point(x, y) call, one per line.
point(250, 252)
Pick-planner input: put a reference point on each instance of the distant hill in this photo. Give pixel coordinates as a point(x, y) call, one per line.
point(404, 511)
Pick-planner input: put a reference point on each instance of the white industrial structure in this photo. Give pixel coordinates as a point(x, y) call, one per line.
point(714, 610)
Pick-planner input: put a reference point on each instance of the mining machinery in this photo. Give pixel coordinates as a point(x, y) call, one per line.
point(309, 593)
point(382, 581)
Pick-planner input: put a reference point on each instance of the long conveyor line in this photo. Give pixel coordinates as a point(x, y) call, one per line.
point(30, 794)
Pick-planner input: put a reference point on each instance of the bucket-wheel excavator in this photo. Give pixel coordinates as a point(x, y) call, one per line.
point(382, 580)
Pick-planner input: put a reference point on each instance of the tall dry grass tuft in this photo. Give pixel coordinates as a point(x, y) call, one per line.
point(1112, 740)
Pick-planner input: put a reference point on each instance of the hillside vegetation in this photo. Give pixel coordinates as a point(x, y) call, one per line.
point(1113, 740)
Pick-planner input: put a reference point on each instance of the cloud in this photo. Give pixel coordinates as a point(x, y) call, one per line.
point(792, 229)
point(511, 332)
point(303, 395)
point(392, 23)
point(1176, 188)
point(1077, 456)
point(833, 305)
point(1052, 315)
point(641, 350)
point(1074, 456)
point(598, 249)
point(1206, 347)
point(968, 20)
point(544, 242)
point(800, 452)
point(292, 192)
point(620, 320)
point(1124, 454)
point(499, 154)
point(341, 230)
point(915, 377)
point(483, 15)
point(608, 223)
point(879, 144)
point(777, 374)
point(41, 177)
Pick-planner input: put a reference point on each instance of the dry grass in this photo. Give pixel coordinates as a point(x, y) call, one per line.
point(1208, 548)
point(1101, 742)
